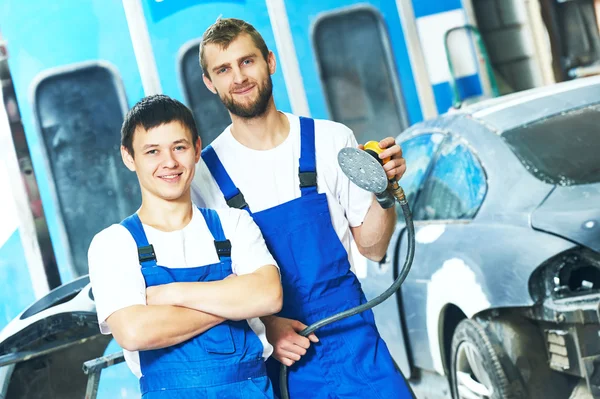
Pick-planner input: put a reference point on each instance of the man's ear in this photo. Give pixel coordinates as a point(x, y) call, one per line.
point(127, 159)
point(209, 84)
point(272, 62)
point(198, 148)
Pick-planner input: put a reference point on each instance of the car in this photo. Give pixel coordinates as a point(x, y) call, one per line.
point(503, 293)
point(44, 348)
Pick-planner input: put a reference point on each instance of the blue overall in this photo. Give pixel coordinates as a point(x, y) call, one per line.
point(225, 361)
point(351, 360)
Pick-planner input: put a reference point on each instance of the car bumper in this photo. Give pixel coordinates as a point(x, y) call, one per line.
point(571, 329)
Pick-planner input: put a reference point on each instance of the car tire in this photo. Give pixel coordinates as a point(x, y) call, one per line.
point(476, 368)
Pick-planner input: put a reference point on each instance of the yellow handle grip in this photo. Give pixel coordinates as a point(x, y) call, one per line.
point(372, 147)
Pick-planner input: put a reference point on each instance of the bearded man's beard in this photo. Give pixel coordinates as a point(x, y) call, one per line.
point(254, 109)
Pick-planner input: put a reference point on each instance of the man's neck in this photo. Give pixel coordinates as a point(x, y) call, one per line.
point(166, 215)
point(263, 132)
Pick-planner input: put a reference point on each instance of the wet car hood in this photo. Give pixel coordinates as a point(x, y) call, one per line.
point(573, 213)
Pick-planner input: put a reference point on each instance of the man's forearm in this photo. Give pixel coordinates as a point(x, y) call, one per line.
point(142, 327)
point(242, 297)
point(267, 319)
point(373, 236)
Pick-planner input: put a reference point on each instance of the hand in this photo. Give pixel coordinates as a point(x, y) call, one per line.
point(288, 345)
point(230, 276)
point(396, 165)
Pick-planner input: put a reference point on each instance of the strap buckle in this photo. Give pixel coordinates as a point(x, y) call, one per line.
point(307, 179)
point(146, 254)
point(237, 201)
point(223, 248)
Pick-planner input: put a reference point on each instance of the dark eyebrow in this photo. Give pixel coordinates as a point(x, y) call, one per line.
point(144, 148)
point(251, 55)
point(180, 141)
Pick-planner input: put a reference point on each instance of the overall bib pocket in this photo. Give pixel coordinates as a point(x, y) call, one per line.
point(218, 339)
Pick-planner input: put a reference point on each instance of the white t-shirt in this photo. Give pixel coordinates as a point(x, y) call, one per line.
point(270, 178)
point(116, 275)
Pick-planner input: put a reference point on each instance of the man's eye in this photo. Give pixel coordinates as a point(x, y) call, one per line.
point(222, 70)
point(152, 152)
point(247, 62)
point(180, 148)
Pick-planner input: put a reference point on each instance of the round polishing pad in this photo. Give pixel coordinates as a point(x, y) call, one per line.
point(363, 170)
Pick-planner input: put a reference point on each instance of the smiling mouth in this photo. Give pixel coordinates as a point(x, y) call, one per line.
point(244, 91)
point(171, 178)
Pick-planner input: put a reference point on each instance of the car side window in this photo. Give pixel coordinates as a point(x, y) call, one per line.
point(418, 152)
point(456, 186)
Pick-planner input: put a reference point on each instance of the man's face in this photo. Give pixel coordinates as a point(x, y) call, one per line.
point(240, 76)
point(165, 160)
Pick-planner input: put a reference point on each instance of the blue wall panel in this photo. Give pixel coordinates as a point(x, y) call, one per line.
point(428, 7)
point(16, 292)
point(467, 86)
point(169, 33)
point(73, 32)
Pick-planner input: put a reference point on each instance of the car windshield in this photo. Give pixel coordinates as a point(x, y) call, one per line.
point(563, 149)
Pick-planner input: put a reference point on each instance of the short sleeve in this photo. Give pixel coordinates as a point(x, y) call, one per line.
point(115, 273)
point(204, 189)
point(355, 201)
point(248, 249)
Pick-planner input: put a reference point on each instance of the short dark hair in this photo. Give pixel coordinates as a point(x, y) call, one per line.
point(153, 111)
point(226, 30)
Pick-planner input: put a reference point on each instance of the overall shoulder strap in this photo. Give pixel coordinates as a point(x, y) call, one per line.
point(146, 254)
point(308, 168)
point(233, 196)
point(222, 244)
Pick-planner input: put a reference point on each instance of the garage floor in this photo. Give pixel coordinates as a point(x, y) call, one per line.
point(431, 386)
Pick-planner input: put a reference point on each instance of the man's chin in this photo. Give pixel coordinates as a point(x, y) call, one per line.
point(171, 195)
point(246, 110)
point(252, 115)
point(247, 113)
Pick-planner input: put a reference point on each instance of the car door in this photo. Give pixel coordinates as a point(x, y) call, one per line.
point(446, 203)
point(418, 152)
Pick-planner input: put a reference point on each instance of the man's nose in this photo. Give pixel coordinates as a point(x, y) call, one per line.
point(238, 76)
point(169, 160)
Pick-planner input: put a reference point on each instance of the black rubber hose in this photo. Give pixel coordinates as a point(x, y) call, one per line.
point(368, 305)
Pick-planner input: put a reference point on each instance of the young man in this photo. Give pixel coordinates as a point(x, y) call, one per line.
point(174, 283)
point(283, 170)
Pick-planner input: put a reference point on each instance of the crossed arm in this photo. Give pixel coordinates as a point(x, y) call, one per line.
point(177, 312)
point(234, 298)
point(141, 327)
